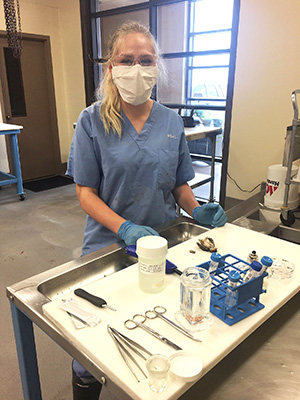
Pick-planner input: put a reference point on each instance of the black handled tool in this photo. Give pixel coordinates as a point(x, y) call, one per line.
point(97, 301)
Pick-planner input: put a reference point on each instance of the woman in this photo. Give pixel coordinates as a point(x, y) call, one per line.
point(129, 157)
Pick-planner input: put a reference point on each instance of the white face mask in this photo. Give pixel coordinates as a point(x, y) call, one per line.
point(135, 82)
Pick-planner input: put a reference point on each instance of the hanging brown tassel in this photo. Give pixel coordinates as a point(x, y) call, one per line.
point(13, 26)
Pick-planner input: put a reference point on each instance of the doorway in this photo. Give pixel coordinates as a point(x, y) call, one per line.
point(29, 100)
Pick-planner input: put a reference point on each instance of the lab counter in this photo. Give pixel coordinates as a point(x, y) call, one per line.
point(104, 274)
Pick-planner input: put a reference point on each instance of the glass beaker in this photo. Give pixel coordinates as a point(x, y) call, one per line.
point(195, 290)
point(158, 367)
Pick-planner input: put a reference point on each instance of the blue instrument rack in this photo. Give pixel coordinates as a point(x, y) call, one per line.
point(247, 293)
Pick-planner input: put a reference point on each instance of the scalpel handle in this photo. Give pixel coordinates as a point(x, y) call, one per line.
point(97, 301)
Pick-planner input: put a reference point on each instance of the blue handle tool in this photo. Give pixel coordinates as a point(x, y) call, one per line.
point(170, 267)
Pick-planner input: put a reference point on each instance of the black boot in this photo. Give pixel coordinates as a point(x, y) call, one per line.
point(85, 391)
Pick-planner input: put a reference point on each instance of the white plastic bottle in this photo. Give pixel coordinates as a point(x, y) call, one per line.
point(152, 252)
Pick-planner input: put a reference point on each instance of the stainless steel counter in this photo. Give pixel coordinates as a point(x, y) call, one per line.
point(264, 365)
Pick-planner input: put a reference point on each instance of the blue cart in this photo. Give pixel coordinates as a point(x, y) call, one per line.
point(5, 178)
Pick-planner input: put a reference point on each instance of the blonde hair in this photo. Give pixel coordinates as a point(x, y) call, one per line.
point(107, 92)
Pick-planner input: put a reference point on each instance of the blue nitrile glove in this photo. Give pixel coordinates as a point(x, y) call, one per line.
point(130, 232)
point(210, 214)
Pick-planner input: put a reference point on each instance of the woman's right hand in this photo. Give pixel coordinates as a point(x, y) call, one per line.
point(130, 232)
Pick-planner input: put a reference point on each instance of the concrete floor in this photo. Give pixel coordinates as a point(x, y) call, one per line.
point(37, 234)
point(46, 230)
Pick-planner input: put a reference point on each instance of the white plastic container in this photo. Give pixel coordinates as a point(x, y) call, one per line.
point(152, 252)
point(276, 187)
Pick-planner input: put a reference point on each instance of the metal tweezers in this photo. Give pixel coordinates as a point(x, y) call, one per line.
point(121, 342)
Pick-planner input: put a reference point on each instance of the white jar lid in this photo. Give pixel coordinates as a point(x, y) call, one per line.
point(152, 247)
point(185, 367)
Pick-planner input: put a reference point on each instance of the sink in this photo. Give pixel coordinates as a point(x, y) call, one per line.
point(265, 215)
point(110, 260)
point(181, 232)
point(259, 220)
point(289, 233)
point(268, 221)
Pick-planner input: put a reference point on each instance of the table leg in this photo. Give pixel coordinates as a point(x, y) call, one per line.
point(25, 343)
point(17, 164)
point(212, 168)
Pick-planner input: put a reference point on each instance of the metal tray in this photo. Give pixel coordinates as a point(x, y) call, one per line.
point(32, 293)
point(86, 270)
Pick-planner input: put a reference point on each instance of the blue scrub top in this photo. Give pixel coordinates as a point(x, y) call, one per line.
point(134, 175)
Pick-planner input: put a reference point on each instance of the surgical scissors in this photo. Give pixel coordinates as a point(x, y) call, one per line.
point(138, 321)
point(158, 311)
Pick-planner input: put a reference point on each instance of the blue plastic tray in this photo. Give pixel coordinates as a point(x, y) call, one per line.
point(247, 294)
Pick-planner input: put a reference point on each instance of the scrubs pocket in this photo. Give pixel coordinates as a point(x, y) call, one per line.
point(167, 167)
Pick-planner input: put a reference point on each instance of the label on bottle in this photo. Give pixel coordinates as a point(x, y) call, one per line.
point(151, 268)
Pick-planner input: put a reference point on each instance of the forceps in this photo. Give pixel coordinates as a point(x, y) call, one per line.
point(138, 321)
point(158, 311)
point(122, 341)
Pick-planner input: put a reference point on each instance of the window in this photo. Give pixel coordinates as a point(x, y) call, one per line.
point(207, 74)
point(197, 39)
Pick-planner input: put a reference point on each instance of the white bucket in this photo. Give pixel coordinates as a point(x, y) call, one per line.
point(276, 187)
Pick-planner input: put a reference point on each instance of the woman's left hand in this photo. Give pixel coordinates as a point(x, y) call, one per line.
point(210, 214)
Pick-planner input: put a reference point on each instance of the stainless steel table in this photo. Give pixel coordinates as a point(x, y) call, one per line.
point(28, 297)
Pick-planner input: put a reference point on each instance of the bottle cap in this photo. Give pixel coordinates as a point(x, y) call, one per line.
point(234, 276)
point(152, 247)
point(216, 257)
point(256, 265)
point(267, 261)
